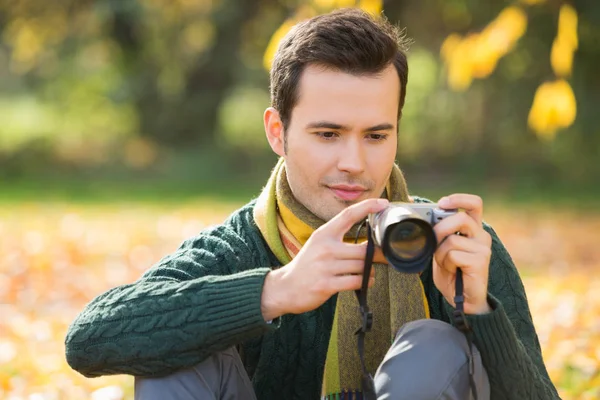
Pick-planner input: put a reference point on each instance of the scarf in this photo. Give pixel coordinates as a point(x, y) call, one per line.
point(395, 298)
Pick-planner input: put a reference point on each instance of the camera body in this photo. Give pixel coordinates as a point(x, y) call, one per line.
point(404, 231)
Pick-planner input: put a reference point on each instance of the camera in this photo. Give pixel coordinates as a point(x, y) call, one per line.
point(404, 232)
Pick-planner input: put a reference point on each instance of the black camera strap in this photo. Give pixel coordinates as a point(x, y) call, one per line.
point(368, 385)
point(460, 320)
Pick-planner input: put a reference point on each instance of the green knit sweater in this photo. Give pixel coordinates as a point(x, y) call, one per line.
point(206, 297)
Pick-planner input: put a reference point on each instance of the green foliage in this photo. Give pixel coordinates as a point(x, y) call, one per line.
point(241, 120)
point(80, 80)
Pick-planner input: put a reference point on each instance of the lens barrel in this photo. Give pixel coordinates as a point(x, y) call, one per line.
point(409, 245)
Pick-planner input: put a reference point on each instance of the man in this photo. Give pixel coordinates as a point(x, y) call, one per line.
point(262, 306)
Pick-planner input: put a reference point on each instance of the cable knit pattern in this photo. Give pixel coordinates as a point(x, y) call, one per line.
point(205, 297)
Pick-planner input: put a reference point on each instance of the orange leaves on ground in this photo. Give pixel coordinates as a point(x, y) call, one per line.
point(557, 254)
point(54, 259)
point(565, 312)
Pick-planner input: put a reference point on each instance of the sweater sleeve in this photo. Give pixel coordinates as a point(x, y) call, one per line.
point(506, 337)
point(203, 298)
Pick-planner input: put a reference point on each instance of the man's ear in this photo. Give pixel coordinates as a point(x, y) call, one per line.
point(274, 130)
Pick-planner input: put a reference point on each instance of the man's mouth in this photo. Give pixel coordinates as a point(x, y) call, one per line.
point(347, 192)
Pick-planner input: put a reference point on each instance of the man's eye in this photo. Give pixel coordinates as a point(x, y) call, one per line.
point(327, 135)
point(377, 136)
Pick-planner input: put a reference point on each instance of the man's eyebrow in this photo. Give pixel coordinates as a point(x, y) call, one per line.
point(326, 125)
point(380, 127)
point(338, 127)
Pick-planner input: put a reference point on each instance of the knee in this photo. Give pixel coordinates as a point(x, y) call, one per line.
point(197, 382)
point(427, 359)
point(221, 375)
point(432, 339)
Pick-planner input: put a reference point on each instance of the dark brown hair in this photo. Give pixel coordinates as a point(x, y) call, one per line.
point(348, 40)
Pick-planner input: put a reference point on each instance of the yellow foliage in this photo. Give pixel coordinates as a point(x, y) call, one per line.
point(532, 2)
point(315, 8)
point(454, 50)
point(567, 25)
point(566, 42)
point(450, 44)
point(561, 57)
point(483, 55)
point(476, 55)
point(332, 4)
point(507, 28)
point(199, 6)
point(24, 37)
point(374, 7)
point(32, 39)
point(274, 42)
point(554, 107)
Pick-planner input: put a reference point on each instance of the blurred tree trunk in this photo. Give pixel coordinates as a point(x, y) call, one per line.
point(191, 118)
point(207, 84)
point(420, 18)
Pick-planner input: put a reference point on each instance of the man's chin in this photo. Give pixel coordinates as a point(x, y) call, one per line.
point(348, 202)
point(339, 206)
point(330, 212)
point(335, 206)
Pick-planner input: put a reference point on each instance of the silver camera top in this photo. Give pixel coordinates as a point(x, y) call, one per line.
point(427, 211)
point(397, 212)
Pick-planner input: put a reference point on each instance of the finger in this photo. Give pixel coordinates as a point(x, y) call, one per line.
point(341, 223)
point(459, 259)
point(351, 251)
point(459, 222)
point(347, 282)
point(378, 256)
point(357, 252)
point(456, 242)
point(345, 267)
point(472, 204)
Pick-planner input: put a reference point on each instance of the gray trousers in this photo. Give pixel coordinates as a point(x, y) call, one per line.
point(427, 361)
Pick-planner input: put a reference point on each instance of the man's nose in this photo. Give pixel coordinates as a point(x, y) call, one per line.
point(352, 157)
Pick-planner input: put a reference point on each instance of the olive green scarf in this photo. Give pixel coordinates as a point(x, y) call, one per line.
point(395, 298)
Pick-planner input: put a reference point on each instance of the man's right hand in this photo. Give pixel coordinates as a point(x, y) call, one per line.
point(324, 266)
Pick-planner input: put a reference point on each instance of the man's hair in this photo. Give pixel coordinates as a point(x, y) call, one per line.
point(347, 40)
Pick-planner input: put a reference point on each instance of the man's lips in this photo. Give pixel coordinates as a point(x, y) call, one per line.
point(347, 192)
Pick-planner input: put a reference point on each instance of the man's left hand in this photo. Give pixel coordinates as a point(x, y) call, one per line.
point(469, 251)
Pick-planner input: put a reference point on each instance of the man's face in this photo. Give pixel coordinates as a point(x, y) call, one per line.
point(341, 139)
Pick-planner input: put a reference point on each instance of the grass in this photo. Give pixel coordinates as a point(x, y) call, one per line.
point(177, 189)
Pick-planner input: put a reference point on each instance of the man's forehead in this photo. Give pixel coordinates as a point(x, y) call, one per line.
point(321, 71)
point(325, 92)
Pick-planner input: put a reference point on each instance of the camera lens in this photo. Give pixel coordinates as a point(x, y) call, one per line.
point(409, 245)
point(407, 240)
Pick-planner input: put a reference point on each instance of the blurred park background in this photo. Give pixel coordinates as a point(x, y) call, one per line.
point(127, 126)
